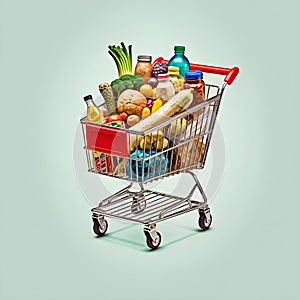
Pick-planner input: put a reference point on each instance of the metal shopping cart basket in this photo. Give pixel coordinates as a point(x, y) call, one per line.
point(186, 149)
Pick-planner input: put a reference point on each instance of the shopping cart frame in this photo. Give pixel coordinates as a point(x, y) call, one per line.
point(149, 207)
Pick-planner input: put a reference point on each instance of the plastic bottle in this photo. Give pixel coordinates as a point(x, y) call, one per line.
point(194, 79)
point(179, 60)
point(94, 113)
point(165, 89)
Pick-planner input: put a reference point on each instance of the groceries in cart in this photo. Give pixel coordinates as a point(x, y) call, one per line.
point(153, 122)
point(154, 111)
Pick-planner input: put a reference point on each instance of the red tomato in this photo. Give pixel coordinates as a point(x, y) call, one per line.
point(113, 118)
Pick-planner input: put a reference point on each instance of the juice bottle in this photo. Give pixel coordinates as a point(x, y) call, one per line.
point(179, 60)
point(101, 161)
point(94, 113)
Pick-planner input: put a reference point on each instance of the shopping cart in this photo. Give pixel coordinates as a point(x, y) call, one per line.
point(188, 135)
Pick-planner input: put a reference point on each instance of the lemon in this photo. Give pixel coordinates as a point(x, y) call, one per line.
point(147, 90)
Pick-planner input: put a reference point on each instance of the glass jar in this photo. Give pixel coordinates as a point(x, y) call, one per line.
point(165, 89)
point(194, 79)
point(144, 67)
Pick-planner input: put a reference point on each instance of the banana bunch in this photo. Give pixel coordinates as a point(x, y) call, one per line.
point(177, 127)
point(154, 140)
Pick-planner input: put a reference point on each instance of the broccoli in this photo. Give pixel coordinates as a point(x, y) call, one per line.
point(129, 84)
point(127, 77)
point(118, 86)
point(126, 82)
point(138, 81)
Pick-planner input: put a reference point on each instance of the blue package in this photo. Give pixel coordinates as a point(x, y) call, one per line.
point(153, 167)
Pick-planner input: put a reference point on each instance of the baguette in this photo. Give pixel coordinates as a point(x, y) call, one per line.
point(177, 103)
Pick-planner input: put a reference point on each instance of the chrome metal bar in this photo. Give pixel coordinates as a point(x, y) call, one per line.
point(108, 199)
point(198, 185)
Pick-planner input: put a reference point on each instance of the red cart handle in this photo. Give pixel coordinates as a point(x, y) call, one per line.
point(230, 73)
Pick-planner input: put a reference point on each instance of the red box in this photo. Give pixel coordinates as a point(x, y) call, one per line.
point(108, 140)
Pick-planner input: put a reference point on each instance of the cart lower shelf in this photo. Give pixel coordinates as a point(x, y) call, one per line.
point(148, 208)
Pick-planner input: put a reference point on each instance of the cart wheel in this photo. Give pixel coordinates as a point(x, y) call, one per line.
point(203, 223)
point(138, 205)
point(99, 230)
point(153, 244)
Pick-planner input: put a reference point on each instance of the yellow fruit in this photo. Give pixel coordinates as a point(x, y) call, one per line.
point(143, 143)
point(177, 127)
point(146, 112)
point(156, 105)
point(161, 144)
point(147, 90)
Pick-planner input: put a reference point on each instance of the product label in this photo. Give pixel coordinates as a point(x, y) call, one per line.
point(103, 163)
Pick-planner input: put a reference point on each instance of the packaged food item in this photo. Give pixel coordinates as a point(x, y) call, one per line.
point(180, 60)
point(192, 153)
point(144, 67)
point(94, 113)
point(153, 167)
point(176, 79)
point(103, 162)
point(194, 79)
point(165, 89)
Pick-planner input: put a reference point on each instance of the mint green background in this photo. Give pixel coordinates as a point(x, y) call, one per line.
point(52, 54)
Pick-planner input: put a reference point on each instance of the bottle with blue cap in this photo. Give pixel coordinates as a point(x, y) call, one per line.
point(179, 60)
point(194, 79)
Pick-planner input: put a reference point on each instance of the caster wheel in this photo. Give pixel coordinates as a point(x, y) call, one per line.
point(98, 229)
point(203, 223)
point(152, 244)
point(138, 205)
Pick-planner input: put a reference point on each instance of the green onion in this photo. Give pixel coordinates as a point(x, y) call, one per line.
point(122, 58)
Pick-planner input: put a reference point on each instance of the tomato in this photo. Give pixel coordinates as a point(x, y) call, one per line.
point(113, 118)
point(115, 121)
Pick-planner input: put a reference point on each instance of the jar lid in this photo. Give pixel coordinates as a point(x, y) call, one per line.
point(193, 74)
point(144, 58)
point(179, 48)
point(163, 76)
